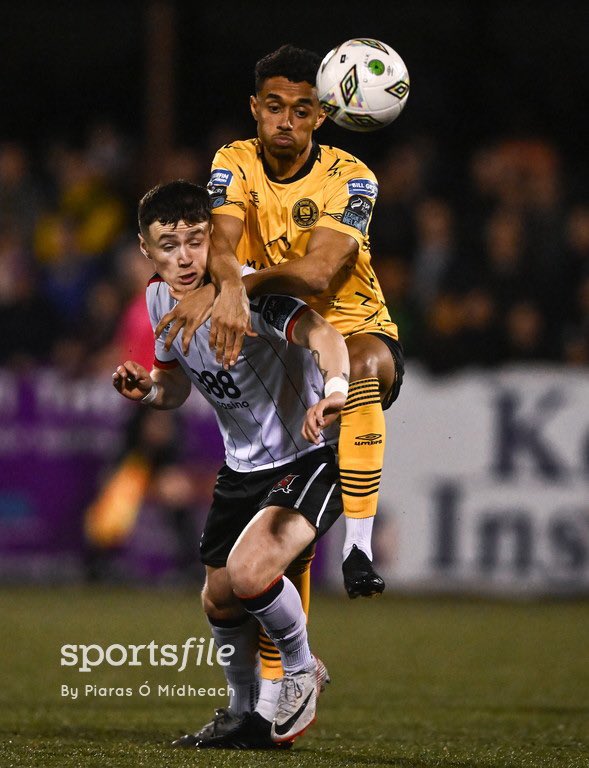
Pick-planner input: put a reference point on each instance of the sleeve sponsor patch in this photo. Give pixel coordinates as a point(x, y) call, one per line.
point(357, 213)
point(277, 310)
point(365, 187)
point(220, 177)
point(218, 195)
point(217, 186)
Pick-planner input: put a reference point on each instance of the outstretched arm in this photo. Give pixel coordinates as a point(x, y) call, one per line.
point(331, 355)
point(160, 389)
point(327, 252)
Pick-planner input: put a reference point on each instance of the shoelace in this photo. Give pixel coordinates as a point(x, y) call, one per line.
point(291, 691)
point(221, 716)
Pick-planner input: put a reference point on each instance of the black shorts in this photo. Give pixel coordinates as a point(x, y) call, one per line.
point(396, 351)
point(311, 485)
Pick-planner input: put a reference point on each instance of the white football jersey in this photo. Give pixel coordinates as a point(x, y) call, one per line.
point(260, 403)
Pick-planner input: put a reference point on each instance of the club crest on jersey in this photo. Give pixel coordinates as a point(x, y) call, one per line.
point(284, 484)
point(305, 212)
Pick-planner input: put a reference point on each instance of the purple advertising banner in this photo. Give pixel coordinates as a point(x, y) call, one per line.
point(58, 438)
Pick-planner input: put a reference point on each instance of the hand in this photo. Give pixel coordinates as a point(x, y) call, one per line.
point(192, 310)
point(230, 322)
point(132, 380)
point(322, 415)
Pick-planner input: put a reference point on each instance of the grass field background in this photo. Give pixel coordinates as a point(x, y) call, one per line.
point(416, 682)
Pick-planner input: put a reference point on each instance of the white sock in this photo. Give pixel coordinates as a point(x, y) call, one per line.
point(358, 532)
point(280, 611)
point(268, 699)
point(242, 671)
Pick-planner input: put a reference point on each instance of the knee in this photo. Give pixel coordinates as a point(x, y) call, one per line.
point(363, 364)
point(372, 360)
point(244, 575)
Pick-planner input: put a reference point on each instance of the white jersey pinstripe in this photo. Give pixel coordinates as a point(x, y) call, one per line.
point(260, 403)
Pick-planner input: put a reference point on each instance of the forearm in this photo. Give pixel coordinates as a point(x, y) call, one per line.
point(327, 254)
point(224, 270)
point(222, 263)
point(173, 389)
point(329, 352)
point(301, 277)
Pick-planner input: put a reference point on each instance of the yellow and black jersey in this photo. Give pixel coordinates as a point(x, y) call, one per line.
point(334, 190)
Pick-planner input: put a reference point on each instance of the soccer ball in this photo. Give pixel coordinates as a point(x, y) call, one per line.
point(363, 84)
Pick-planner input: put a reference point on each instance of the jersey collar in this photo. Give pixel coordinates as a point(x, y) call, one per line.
point(301, 173)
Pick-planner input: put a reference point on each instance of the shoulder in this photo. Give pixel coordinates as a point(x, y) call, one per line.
point(347, 167)
point(154, 284)
point(239, 151)
point(233, 162)
point(333, 155)
point(157, 294)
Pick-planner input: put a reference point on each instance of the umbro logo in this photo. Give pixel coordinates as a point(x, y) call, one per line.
point(372, 438)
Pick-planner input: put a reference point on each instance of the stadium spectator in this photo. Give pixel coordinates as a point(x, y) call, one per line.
point(21, 198)
point(516, 235)
point(28, 323)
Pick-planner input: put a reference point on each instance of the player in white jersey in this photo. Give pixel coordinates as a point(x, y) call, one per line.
point(279, 488)
point(261, 404)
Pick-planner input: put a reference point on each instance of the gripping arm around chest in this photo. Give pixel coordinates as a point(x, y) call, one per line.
point(327, 253)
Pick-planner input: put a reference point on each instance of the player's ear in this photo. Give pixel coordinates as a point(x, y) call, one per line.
point(320, 118)
point(254, 107)
point(143, 246)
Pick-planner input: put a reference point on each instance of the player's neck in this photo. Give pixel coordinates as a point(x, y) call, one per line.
point(283, 169)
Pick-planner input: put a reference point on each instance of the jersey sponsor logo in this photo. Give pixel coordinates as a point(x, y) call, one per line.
point(221, 178)
point(305, 212)
point(219, 385)
point(284, 484)
point(365, 187)
point(372, 438)
point(277, 310)
point(357, 213)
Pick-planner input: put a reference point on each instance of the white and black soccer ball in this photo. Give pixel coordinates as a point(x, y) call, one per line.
point(363, 84)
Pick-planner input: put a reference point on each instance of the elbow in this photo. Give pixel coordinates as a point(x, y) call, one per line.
point(327, 336)
point(317, 284)
point(324, 267)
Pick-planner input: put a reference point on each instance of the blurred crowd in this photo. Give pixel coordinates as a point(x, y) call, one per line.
point(481, 265)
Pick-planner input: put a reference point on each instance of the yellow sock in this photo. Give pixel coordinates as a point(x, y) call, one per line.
point(361, 448)
point(299, 572)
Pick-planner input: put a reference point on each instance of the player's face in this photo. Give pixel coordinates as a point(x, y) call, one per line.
point(179, 252)
point(287, 114)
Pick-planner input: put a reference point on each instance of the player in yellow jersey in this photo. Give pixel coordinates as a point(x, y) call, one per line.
point(298, 212)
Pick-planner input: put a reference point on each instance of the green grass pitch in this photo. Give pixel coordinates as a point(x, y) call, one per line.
point(416, 682)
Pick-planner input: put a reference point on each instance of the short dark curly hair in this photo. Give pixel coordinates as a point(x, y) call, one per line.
point(296, 64)
point(170, 203)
